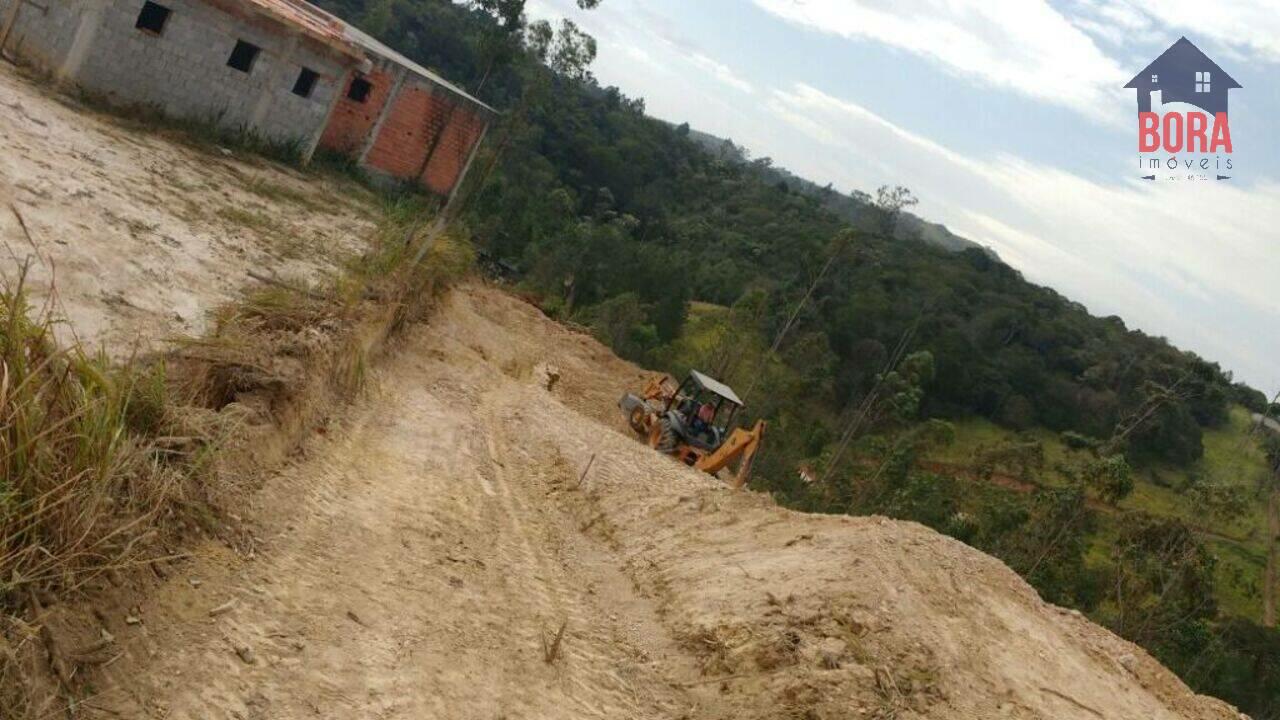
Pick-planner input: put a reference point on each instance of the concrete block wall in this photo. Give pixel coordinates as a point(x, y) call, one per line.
point(409, 127)
point(42, 34)
point(183, 70)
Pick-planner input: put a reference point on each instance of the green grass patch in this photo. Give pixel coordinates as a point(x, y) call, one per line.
point(1238, 576)
point(1232, 454)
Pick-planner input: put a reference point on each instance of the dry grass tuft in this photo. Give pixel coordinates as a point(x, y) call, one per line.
point(551, 648)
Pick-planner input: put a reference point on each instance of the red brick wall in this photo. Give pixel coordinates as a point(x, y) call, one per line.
point(351, 121)
point(419, 114)
point(401, 145)
point(451, 153)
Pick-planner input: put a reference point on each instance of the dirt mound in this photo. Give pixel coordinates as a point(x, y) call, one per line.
point(820, 615)
point(447, 553)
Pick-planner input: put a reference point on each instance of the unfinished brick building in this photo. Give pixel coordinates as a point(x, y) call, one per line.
point(281, 69)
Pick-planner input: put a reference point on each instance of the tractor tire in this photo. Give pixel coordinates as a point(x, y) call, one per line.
point(636, 419)
point(666, 438)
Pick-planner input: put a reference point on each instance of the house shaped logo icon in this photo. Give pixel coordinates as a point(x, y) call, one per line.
point(1195, 143)
point(1184, 74)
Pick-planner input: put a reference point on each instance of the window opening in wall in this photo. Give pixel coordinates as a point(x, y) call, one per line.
point(306, 82)
point(153, 18)
point(243, 56)
point(359, 90)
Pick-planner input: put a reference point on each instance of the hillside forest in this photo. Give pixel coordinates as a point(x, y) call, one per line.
point(903, 371)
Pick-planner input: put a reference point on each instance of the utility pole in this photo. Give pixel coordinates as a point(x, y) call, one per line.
point(838, 245)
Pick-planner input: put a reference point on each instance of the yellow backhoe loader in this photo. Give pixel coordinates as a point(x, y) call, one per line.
point(691, 422)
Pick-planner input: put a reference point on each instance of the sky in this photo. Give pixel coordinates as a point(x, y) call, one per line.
point(1009, 121)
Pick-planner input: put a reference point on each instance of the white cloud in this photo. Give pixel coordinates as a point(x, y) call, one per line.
point(1116, 15)
point(639, 55)
point(1113, 34)
point(654, 28)
point(1021, 45)
point(1250, 26)
point(1039, 50)
point(721, 72)
point(818, 105)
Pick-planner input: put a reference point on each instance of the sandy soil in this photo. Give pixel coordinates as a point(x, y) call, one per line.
point(419, 560)
point(141, 236)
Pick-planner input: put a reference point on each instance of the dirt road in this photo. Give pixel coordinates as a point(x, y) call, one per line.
point(420, 560)
point(407, 569)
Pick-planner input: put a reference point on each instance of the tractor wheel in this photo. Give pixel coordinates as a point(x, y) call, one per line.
point(637, 420)
point(666, 438)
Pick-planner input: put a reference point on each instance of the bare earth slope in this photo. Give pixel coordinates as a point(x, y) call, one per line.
point(419, 561)
point(140, 235)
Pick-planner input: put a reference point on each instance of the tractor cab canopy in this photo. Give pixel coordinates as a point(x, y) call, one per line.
point(701, 392)
point(711, 384)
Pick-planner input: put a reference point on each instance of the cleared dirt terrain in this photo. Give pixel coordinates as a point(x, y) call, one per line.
point(141, 236)
point(420, 559)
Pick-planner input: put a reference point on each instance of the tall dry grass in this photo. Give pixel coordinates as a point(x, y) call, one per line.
point(80, 483)
point(84, 478)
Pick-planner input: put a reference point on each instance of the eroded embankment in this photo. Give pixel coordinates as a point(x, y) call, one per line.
point(103, 517)
point(822, 616)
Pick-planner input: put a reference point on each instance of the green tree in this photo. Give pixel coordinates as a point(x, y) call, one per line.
point(622, 322)
point(891, 202)
point(1162, 588)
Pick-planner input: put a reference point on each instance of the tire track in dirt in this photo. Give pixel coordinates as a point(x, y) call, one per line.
point(402, 570)
point(583, 595)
